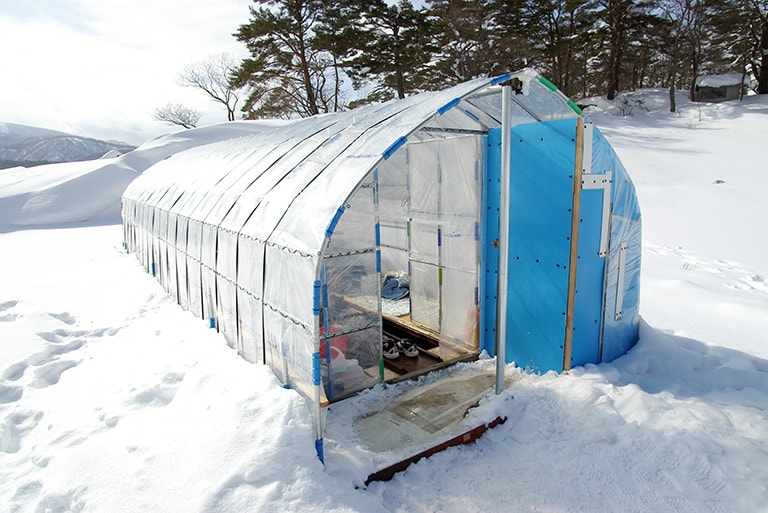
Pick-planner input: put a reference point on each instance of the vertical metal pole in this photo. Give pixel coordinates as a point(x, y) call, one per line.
point(501, 305)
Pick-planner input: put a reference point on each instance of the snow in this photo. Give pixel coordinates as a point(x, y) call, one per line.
point(112, 398)
point(728, 79)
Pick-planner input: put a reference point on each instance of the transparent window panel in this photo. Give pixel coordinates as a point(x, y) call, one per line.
point(226, 257)
point(459, 309)
point(355, 229)
point(424, 177)
point(459, 245)
point(351, 291)
point(227, 311)
point(425, 295)
point(424, 241)
point(250, 265)
point(394, 234)
point(345, 373)
point(289, 349)
point(208, 284)
point(208, 249)
point(173, 277)
point(288, 284)
point(194, 287)
point(459, 159)
point(251, 327)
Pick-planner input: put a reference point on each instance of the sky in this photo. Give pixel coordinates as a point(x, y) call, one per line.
point(100, 68)
point(114, 399)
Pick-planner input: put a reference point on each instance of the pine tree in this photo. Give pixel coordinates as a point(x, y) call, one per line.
point(561, 32)
point(393, 47)
point(465, 40)
point(285, 73)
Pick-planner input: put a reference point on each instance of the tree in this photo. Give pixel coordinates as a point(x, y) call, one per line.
point(286, 72)
point(681, 41)
point(756, 21)
point(394, 45)
point(214, 75)
point(561, 31)
point(177, 114)
point(464, 39)
point(626, 25)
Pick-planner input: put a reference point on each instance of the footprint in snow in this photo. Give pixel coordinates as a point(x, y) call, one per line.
point(65, 317)
point(61, 335)
point(15, 371)
point(73, 500)
point(8, 317)
point(9, 394)
point(51, 352)
point(7, 305)
point(15, 426)
point(50, 374)
point(161, 394)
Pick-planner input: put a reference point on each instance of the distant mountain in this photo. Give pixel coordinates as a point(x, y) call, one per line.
point(27, 146)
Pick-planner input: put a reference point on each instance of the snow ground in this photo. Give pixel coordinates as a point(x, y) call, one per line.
point(114, 399)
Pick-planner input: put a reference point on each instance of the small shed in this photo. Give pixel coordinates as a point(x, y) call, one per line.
point(719, 88)
point(504, 210)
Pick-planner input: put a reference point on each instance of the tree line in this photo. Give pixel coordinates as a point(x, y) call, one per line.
point(307, 57)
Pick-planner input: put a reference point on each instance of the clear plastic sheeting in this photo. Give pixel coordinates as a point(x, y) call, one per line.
point(280, 238)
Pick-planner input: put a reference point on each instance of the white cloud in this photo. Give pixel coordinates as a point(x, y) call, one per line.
point(100, 69)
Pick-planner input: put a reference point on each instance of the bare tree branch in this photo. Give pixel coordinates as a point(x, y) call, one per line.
point(213, 75)
point(177, 114)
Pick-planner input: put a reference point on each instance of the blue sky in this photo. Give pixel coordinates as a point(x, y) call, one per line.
point(99, 68)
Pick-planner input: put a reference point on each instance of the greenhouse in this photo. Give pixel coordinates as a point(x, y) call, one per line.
point(491, 216)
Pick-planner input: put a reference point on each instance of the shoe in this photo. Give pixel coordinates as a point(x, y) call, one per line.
point(408, 347)
point(390, 350)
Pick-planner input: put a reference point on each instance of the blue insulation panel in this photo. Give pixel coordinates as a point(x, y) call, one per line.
point(588, 309)
point(541, 197)
point(489, 252)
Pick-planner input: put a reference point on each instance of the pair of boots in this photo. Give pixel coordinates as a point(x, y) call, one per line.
point(394, 348)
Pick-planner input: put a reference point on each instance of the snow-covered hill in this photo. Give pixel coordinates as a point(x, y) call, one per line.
point(114, 399)
point(27, 146)
point(91, 191)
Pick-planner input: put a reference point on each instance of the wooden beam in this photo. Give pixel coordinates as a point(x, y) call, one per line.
point(574, 255)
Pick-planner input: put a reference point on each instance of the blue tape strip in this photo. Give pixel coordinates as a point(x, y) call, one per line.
point(316, 369)
point(439, 237)
point(334, 222)
point(471, 114)
point(378, 260)
point(394, 147)
point(316, 298)
point(448, 106)
point(501, 78)
point(212, 322)
point(319, 449)
point(378, 234)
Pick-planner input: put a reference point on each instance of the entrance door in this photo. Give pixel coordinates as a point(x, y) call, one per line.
point(443, 253)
